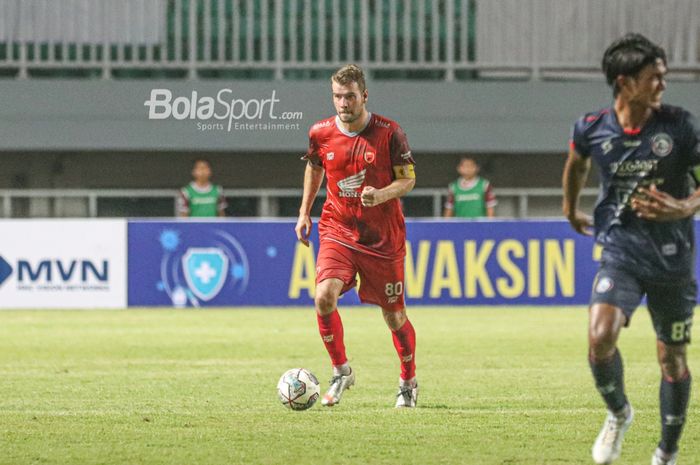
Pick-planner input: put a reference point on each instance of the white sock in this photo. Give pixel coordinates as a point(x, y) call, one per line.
point(408, 382)
point(343, 369)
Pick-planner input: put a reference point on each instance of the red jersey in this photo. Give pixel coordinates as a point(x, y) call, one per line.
point(351, 162)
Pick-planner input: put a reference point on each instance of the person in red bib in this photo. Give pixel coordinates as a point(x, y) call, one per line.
point(368, 165)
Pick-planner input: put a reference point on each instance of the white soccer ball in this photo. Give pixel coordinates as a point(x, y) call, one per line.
point(298, 389)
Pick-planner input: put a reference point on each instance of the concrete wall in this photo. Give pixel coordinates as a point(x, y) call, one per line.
point(486, 117)
point(163, 169)
point(96, 134)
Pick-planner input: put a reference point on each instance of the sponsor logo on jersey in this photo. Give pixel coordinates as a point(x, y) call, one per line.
point(661, 144)
point(669, 249)
point(607, 146)
point(330, 156)
point(633, 167)
point(348, 186)
point(632, 143)
point(468, 197)
point(383, 124)
point(603, 285)
point(322, 124)
point(369, 157)
point(203, 200)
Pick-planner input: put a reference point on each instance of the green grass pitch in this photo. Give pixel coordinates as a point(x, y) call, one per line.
point(498, 386)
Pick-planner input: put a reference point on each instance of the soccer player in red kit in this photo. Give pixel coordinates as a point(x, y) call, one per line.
point(368, 163)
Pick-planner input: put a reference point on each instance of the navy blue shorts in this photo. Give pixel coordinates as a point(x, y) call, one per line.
point(670, 304)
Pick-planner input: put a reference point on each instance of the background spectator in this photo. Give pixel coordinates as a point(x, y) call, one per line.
point(470, 196)
point(200, 198)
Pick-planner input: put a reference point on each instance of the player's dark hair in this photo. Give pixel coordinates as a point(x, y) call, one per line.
point(349, 74)
point(468, 157)
point(627, 56)
point(201, 160)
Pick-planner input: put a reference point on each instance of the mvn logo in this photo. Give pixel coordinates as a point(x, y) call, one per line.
point(48, 269)
point(56, 270)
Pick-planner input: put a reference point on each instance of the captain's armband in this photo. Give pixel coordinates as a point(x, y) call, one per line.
point(404, 172)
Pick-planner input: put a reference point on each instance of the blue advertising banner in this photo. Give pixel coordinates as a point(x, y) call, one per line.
point(236, 263)
point(214, 263)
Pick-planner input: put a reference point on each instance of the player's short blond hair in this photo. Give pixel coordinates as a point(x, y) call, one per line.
point(349, 74)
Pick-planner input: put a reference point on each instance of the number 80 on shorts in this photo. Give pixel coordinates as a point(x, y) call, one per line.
point(393, 291)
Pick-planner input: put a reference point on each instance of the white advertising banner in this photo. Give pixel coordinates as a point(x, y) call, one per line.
point(66, 263)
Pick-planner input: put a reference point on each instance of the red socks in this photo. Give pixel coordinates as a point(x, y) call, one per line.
point(405, 343)
point(331, 329)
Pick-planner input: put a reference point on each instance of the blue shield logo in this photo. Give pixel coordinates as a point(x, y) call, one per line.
point(205, 271)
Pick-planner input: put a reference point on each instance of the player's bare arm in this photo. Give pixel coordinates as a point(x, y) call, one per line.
point(575, 174)
point(653, 204)
point(313, 177)
point(371, 196)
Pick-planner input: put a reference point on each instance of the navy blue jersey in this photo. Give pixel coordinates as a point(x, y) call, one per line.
point(661, 153)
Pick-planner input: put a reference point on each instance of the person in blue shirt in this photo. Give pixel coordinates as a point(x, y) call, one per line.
point(644, 221)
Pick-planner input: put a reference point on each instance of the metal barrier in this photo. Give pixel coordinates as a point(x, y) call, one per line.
point(440, 39)
point(513, 203)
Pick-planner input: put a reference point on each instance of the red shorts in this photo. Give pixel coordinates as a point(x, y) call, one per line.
point(381, 279)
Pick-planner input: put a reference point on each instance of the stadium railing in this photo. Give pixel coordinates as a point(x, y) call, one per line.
point(513, 203)
point(440, 39)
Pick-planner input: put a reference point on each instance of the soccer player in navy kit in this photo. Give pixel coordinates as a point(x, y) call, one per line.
point(644, 221)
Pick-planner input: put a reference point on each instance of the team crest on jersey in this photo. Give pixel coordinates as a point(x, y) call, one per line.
point(330, 156)
point(369, 157)
point(661, 144)
point(603, 285)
